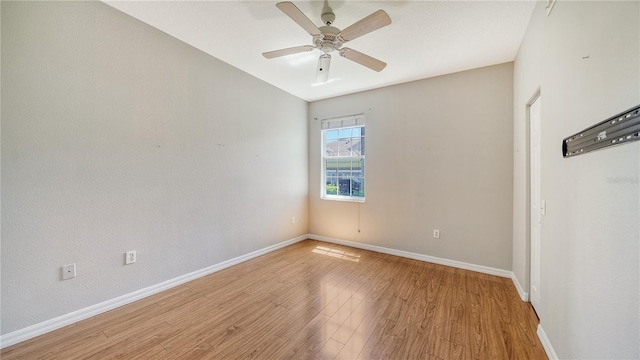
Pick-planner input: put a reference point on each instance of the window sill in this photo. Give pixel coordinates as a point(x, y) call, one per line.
point(342, 198)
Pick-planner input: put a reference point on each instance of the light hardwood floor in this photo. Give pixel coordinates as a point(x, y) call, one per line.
point(310, 300)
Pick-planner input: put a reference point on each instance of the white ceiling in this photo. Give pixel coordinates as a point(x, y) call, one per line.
point(425, 38)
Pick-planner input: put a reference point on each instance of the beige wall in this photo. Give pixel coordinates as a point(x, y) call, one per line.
point(115, 137)
point(585, 58)
point(438, 157)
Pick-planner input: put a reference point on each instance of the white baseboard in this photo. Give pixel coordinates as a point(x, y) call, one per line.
point(416, 256)
point(523, 294)
point(546, 344)
point(70, 318)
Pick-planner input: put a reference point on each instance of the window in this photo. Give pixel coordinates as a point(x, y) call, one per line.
point(343, 158)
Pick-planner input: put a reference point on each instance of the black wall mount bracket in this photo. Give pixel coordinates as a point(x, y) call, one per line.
point(616, 130)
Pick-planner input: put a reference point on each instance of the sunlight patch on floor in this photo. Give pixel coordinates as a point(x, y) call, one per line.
point(323, 250)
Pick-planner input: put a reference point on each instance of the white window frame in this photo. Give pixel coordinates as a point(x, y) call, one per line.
point(350, 121)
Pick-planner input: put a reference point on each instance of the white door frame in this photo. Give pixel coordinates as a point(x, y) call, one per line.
point(536, 205)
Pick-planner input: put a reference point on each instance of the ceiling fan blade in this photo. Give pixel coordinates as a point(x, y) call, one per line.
point(372, 22)
point(322, 74)
point(296, 15)
point(287, 51)
point(363, 59)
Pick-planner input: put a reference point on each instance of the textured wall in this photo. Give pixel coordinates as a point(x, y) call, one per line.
point(116, 137)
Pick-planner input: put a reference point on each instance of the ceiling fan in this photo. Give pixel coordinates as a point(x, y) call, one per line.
point(328, 38)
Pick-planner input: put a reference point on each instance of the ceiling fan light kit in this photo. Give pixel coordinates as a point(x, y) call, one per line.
point(329, 38)
point(322, 73)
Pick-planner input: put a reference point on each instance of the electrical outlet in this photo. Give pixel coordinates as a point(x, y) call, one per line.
point(436, 234)
point(293, 219)
point(130, 257)
point(68, 271)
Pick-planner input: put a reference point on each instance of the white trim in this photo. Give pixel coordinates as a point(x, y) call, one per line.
point(546, 344)
point(342, 198)
point(523, 295)
point(432, 259)
point(78, 315)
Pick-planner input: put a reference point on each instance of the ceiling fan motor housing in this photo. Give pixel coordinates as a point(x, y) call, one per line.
point(328, 41)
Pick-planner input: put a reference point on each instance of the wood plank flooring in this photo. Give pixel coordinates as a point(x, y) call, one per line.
point(310, 300)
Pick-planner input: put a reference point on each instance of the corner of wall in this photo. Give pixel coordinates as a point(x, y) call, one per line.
point(523, 294)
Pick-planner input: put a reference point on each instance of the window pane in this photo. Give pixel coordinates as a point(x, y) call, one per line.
point(355, 146)
point(356, 168)
point(331, 148)
point(344, 147)
point(345, 133)
point(331, 167)
point(362, 144)
point(357, 187)
point(331, 164)
point(332, 186)
point(344, 166)
point(332, 135)
point(356, 131)
point(344, 187)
